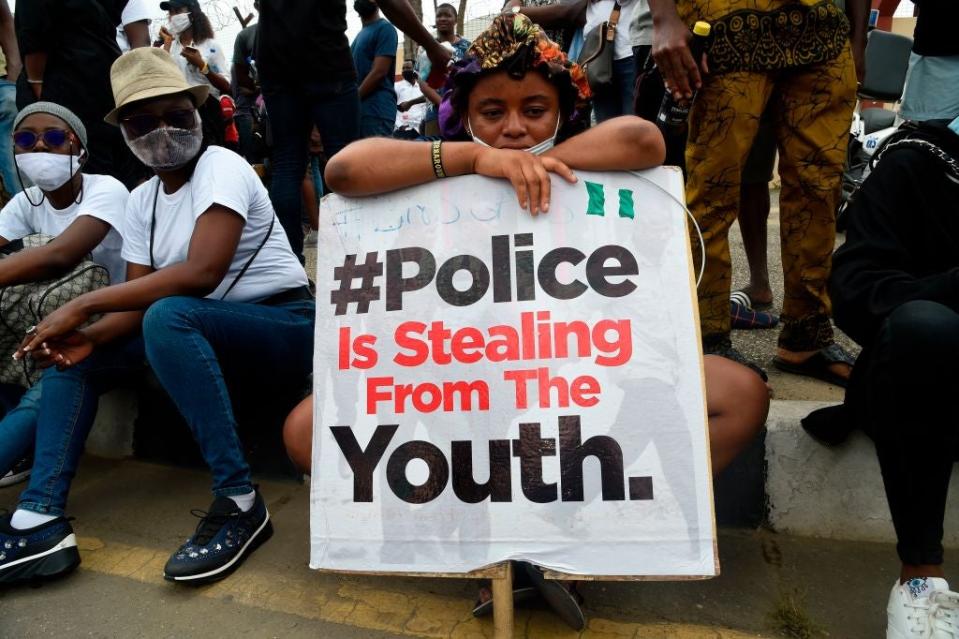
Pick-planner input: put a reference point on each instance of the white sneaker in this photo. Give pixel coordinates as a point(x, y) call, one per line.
point(923, 608)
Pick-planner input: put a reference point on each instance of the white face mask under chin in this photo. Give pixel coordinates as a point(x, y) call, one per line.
point(49, 171)
point(167, 148)
point(536, 149)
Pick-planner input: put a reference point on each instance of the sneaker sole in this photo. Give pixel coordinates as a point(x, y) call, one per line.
point(10, 480)
point(49, 564)
point(261, 536)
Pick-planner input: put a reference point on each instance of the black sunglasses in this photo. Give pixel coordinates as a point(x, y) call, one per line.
point(143, 123)
point(52, 138)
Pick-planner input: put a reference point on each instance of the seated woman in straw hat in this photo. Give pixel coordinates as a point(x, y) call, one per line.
point(213, 291)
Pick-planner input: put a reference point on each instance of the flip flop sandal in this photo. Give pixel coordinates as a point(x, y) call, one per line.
point(745, 318)
point(564, 601)
point(817, 366)
point(742, 297)
point(523, 591)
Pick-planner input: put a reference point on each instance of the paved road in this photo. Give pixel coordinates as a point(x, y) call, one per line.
point(131, 515)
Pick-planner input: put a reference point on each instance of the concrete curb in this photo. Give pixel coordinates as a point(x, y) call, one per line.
point(810, 489)
point(835, 493)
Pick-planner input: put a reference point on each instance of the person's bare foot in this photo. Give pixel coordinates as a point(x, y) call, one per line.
point(758, 294)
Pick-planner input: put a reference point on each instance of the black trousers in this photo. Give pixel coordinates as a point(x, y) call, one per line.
point(903, 396)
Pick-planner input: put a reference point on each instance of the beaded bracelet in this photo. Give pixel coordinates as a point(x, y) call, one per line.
point(438, 160)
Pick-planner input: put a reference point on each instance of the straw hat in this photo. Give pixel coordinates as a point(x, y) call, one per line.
point(148, 72)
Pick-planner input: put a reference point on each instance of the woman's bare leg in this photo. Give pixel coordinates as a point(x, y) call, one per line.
point(737, 401)
point(298, 435)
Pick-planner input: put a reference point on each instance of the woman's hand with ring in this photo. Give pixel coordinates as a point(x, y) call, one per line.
point(55, 325)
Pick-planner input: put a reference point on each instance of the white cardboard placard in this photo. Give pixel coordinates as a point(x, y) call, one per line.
point(563, 347)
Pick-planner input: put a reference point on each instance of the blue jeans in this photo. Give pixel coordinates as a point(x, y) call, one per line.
point(374, 127)
point(334, 107)
point(316, 176)
point(8, 113)
point(18, 428)
point(189, 343)
point(618, 99)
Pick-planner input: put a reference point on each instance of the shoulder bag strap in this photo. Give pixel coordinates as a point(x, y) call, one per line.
point(608, 34)
point(613, 21)
point(246, 266)
point(153, 223)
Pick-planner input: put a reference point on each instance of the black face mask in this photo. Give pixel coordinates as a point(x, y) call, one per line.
point(409, 76)
point(364, 8)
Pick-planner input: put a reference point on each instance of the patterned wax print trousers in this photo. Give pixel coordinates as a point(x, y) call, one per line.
point(813, 107)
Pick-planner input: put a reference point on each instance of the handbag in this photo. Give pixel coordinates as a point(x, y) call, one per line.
point(596, 57)
point(25, 305)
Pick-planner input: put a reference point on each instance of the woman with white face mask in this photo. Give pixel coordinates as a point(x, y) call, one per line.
point(213, 291)
point(189, 38)
point(82, 212)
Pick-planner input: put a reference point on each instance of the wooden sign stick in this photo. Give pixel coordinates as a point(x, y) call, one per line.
point(503, 604)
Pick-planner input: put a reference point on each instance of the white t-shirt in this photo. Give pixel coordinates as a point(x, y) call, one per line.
point(598, 13)
point(221, 177)
point(213, 55)
point(104, 198)
point(412, 117)
point(641, 25)
point(133, 11)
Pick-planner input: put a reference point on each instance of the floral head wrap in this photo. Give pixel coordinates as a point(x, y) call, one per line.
point(512, 43)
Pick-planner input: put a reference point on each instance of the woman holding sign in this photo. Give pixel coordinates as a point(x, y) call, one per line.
point(509, 114)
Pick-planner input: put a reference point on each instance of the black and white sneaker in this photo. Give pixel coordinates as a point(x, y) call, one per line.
point(20, 472)
point(224, 538)
point(39, 553)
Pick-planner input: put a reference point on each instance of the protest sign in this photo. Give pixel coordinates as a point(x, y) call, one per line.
point(492, 386)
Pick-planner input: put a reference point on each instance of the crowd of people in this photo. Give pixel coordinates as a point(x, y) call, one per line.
point(166, 192)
